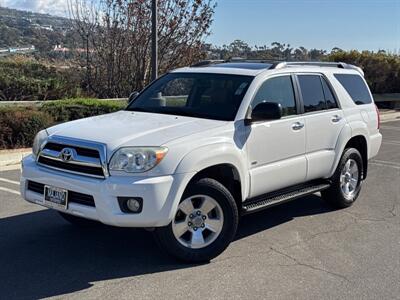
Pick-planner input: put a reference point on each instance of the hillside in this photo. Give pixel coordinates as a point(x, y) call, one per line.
point(22, 28)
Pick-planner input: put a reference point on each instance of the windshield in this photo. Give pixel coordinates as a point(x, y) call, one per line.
point(211, 96)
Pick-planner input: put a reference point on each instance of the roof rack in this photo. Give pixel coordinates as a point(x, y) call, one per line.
point(276, 64)
point(208, 62)
point(340, 65)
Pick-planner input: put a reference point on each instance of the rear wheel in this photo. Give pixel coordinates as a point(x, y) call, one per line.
point(204, 225)
point(346, 182)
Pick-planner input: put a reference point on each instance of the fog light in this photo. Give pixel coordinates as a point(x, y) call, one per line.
point(133, 205)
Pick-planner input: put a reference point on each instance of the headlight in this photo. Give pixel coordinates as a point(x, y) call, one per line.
point(40, 138)
point(137, 159)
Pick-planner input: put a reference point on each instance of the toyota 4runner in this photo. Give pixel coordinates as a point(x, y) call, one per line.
point(203, 145)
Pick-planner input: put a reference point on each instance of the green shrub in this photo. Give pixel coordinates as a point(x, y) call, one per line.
point(27, 79)
point(18, 126)
point(72, 109)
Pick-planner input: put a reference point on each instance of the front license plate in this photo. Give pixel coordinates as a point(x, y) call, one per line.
point(55, 197)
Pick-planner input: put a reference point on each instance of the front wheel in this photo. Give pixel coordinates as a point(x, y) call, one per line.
point(204, 225)
point(346, 182)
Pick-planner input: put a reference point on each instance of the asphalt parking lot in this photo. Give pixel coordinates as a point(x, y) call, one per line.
point(302, 249)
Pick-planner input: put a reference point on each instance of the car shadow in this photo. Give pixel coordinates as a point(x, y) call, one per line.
point(42, 256)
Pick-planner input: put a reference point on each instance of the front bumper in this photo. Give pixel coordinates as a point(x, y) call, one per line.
point(160, 195)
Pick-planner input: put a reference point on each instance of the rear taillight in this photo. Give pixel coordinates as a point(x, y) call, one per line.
point(378, 116)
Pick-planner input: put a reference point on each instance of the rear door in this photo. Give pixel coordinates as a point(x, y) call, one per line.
point(324, 121)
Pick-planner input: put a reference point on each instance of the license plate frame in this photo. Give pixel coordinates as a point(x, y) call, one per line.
point(55, 197)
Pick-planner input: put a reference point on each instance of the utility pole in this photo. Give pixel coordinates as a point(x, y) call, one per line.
point(154, 41)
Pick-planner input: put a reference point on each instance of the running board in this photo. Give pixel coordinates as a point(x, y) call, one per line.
point(284, 195)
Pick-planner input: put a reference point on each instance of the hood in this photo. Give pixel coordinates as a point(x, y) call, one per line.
point(128, 128)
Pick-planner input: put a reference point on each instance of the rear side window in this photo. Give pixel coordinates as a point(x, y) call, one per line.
point(355, 87)
point(278, 90)
point(312, 93)
point(329, 98)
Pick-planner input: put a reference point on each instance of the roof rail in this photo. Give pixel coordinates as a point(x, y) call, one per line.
point(340, 65)
point(252, 60)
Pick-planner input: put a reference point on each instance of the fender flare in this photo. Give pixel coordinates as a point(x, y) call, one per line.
point(350, 130)
point(216, 154)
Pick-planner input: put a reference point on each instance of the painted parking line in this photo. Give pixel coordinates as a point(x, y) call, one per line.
point(9, 190)
point(9, 181)
point(390, 127)
point(392, 143)
point(384, 163)
point(10, 168)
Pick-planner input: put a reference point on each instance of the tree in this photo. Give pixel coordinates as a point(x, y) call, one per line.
point(117, 37)
point(382, 70)
point(239, 48)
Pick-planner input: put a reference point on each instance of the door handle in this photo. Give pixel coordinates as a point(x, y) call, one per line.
point(297, 126)
point(336, 118)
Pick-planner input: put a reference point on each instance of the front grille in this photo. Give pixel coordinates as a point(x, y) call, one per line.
point(82, 158)
point(97, 171)
point(73, 197)
point(79, 150)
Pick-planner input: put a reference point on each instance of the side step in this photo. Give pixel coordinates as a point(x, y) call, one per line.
point(284, 195)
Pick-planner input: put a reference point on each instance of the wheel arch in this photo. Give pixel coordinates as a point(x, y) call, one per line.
point(226, 174)
point(360, 143)
point(355, 139)
point(222, 162)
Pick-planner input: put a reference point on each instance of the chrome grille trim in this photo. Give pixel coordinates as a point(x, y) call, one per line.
point(79, 160)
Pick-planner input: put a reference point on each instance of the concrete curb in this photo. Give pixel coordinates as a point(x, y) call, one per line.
point(10, 158)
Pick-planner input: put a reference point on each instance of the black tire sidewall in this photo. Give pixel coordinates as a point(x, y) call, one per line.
point(217, 191)
point(343, 200)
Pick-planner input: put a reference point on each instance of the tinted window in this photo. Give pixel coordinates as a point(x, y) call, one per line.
point(278, 90)
point(355, 87)
point(312, 93)
point(176, 91)
point(329, 98)
point(211, 96)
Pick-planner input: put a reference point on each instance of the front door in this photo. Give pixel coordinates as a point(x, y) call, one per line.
point(276, 149)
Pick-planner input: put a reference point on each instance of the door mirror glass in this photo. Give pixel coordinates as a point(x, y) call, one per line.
point(265, 111)
point(132, 97)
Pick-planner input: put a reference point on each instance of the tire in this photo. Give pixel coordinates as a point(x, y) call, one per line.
point(222, 220)
point(78, 221)
point(336, 195)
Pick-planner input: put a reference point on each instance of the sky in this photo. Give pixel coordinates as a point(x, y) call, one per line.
point(322, 24)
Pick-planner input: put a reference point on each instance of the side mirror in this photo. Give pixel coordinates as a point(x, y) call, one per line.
point(132, 97)
point(265, 111)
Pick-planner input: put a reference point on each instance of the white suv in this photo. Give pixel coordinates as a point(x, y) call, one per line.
point(203, 145)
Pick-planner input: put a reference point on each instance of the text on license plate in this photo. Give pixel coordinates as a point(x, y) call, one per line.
point(55, 197)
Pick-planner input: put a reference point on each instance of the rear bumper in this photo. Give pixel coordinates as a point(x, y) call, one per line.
point(375, 142)
point(160, 194)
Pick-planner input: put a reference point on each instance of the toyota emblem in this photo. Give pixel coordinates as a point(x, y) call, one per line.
point(67, 154)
